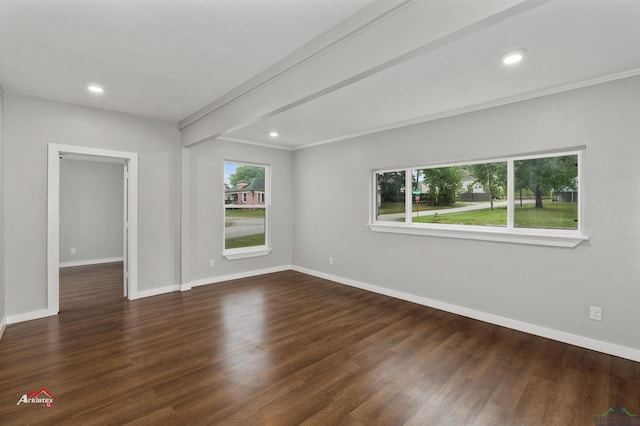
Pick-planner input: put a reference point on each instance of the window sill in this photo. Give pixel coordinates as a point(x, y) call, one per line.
point(521, 236)
point(243, 253)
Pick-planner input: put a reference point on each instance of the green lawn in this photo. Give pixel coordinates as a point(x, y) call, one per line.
point(552, 215)
point(246, 241)
point(244, 212)
point(486, 217)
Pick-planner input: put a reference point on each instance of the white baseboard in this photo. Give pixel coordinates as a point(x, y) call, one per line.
point(561, 336)
point(221, 278)
point(3, 325)
point(154, 292)
point(28, 316)
point(91, 262)
point(206, 281)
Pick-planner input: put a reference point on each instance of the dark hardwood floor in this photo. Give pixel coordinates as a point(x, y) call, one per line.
point(287, 348)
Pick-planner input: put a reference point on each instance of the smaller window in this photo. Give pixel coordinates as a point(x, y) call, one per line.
point(246, 222)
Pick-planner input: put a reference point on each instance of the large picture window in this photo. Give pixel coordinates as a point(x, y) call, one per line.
point(246, 195)
point(532, 199)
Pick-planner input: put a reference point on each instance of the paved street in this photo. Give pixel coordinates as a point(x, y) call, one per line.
point(473, 206)
point(243, 226)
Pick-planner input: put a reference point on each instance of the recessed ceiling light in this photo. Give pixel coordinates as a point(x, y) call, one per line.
point(513, 57)
point(273, 134)
point(95, 88)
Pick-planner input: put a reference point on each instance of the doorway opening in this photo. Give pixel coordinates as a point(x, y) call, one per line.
point(92, 218)
point(129, 258)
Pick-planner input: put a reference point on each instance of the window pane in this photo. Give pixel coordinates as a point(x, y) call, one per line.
point(546, 192)
point(245, 210)
point(244, 228)
point(390, 193)
point(461, 195)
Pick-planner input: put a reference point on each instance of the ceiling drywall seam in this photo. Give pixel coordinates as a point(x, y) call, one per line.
point(421, 50)
point(481, 106)
point(272, 73)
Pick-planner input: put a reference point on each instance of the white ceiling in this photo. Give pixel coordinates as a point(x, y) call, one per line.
point(314, 70)
point(156, 58)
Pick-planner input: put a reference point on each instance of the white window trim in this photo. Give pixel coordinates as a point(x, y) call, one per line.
point(245, 252)
point(254, 251)
point(508, 234)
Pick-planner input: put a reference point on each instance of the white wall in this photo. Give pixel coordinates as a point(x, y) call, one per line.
point(32, 123)
point(91, 210)
point(543, 286)
point(2, 191)
point(206, 208)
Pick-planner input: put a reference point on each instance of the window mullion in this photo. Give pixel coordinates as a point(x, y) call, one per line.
point(581, 192)
point(510, 194)
point(408, 202)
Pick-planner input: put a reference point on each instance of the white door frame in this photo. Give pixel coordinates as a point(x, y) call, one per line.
point(53, 217)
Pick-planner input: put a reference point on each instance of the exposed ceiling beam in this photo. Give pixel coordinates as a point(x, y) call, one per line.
point(327, 64)
point(348, 28)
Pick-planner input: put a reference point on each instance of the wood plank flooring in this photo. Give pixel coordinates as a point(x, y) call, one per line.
point(285, 349)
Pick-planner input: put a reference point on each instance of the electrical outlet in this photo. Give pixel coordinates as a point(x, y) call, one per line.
point(73, 250)
point(212, 263)
point(595, 313)
point(331, 261)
